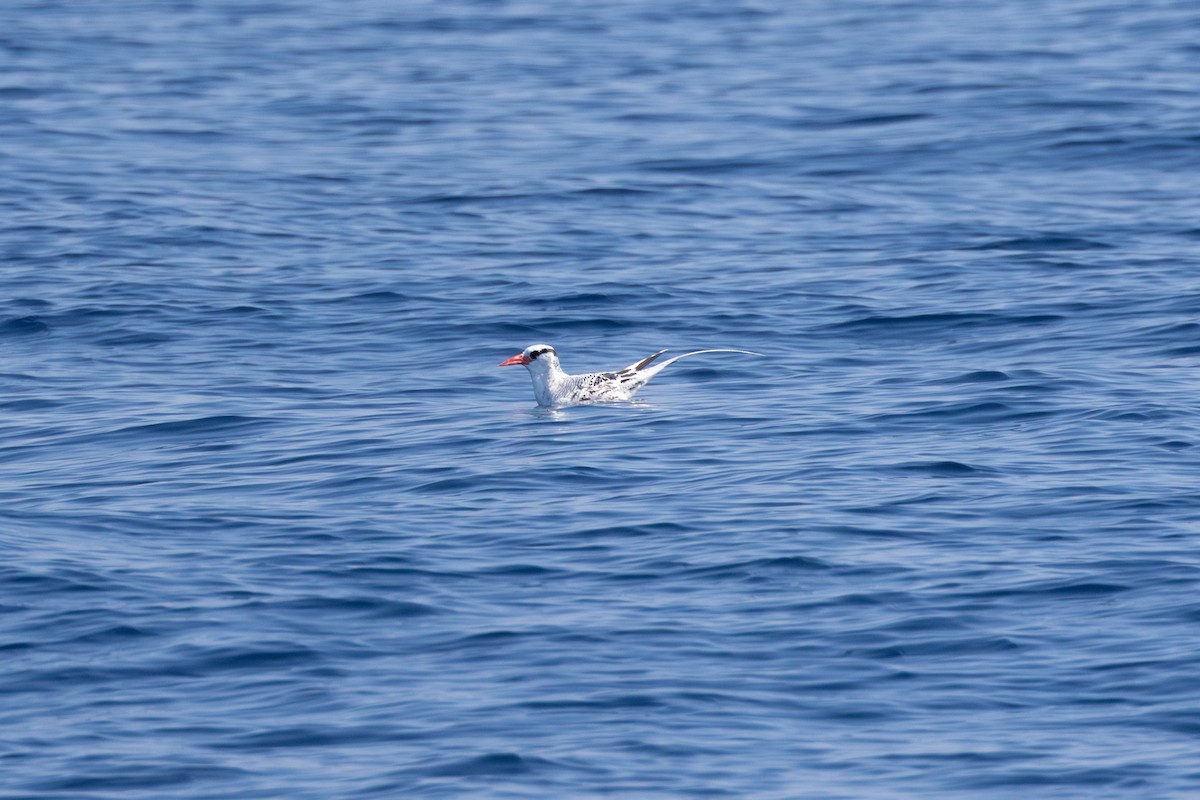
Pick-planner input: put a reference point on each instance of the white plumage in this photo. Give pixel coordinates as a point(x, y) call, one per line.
point(553, 387)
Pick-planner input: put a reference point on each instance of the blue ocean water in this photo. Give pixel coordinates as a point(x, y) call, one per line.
point(274, 525)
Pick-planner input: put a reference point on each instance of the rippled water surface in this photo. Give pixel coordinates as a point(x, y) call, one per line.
point(273, 523)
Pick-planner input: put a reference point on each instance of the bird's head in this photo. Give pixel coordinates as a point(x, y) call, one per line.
point(538, 358)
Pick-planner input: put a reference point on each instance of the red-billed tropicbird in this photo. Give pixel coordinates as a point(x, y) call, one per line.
point(553, 387)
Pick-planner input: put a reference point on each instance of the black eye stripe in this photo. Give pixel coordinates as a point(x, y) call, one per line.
point(534, 354)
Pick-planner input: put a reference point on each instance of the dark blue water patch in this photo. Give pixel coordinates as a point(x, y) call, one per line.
point(859, 531)
point(758, 567)
point(529, 480)
point(136, 777)
point(268, 657)
point(1124, 414)
point(62, 581)
point(24, 92)
point(855, 121)
point(937, 324)
point(134, 339)
point(1044, 242)
point(614, 191)
point(184, 428)
point(978, 376)
point(489, 764)
point(594, 299)
point(317, 736)
point(708, 166)
point(634, 531)
point(969, 412)
point(942, 469)
point(1170, 150)
point(956, 647)
point(23, 326)
point(382, 297)
point(1057, 590)
point(29, 404)
point(1028, 779)
point(1187, 351)
point(326, 607)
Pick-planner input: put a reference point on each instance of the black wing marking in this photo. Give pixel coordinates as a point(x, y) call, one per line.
point(602, 378)
point(645, 362)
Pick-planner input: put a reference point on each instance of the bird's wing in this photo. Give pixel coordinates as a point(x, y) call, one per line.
point(638, 366)
point(626, 380)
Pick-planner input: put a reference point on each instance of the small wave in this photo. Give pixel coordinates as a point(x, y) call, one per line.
point(315, 736)
point(706, 166)
point(969, 412)
point(613, 191)
point(1041, 243)
point(864, 121)
point(488, 764)
point(957, 646)
point(977, 376)
point(220, 423)
point(759, 566)
point(30, 404)
point(635, 531)
point(134, 339)
point(368, 607)
point(23, 326)
point(266, 656)
point(945, 469)
point(1072, 589)
point(908, 324)
point(132, 775)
